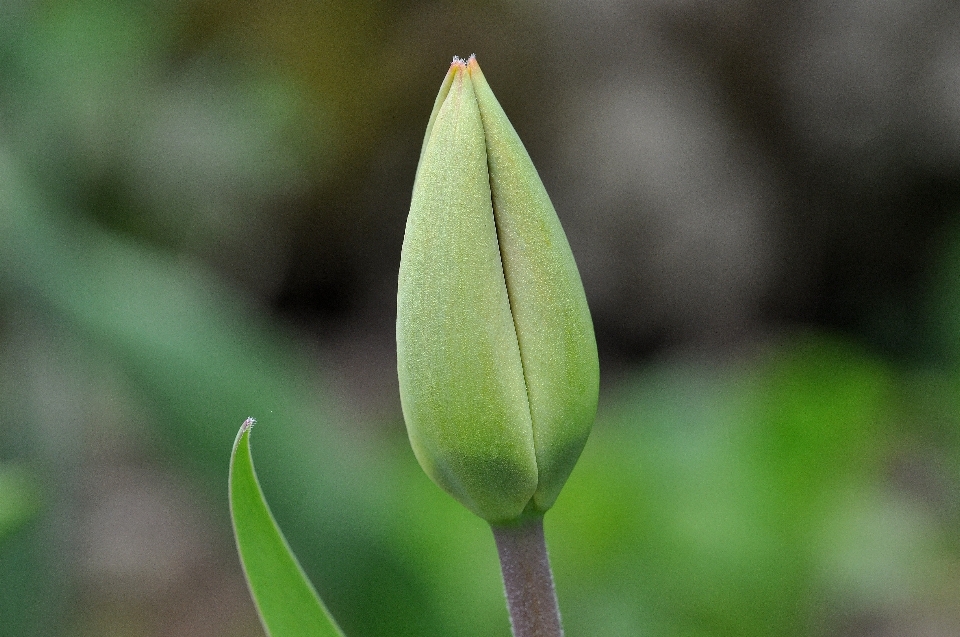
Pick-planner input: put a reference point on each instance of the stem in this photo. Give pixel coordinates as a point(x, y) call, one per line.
point(528, 580)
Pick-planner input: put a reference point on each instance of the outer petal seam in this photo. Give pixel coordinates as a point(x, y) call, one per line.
point(506, 283)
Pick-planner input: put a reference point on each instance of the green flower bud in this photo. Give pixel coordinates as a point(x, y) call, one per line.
point(496, 354)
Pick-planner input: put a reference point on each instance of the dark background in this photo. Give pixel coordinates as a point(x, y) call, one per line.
point(201, 212)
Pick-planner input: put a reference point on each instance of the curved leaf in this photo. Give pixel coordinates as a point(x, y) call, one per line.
point(287, 603)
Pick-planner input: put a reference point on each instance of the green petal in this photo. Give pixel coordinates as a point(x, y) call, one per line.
point(461, 381)
point(437, 103)
point(553, 325)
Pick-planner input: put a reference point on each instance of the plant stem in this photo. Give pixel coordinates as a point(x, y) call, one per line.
point(528, 580)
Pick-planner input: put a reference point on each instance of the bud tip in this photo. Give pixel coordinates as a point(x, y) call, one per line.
point(459, 61)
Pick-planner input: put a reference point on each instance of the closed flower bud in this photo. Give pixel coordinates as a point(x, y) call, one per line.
point(496, 354)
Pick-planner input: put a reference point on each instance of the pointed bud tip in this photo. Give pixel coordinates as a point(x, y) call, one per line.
point(473, 67)
point(460, 62)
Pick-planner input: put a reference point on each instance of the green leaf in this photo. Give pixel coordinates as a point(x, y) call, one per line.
point(287, 602)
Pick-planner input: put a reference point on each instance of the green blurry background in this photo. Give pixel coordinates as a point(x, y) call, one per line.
point(201, 211)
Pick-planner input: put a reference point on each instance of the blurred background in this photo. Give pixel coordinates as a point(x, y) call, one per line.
point(202, 204)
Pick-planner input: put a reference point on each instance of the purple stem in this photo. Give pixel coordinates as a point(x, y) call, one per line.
point(528, 580)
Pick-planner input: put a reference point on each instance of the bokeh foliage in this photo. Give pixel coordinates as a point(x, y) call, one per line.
point(159, 163)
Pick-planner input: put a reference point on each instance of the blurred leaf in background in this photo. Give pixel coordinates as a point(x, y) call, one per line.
point(19, 497)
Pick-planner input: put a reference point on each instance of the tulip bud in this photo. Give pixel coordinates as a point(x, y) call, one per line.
point(496, 354)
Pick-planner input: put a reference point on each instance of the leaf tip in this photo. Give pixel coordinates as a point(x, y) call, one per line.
point(248, 424)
